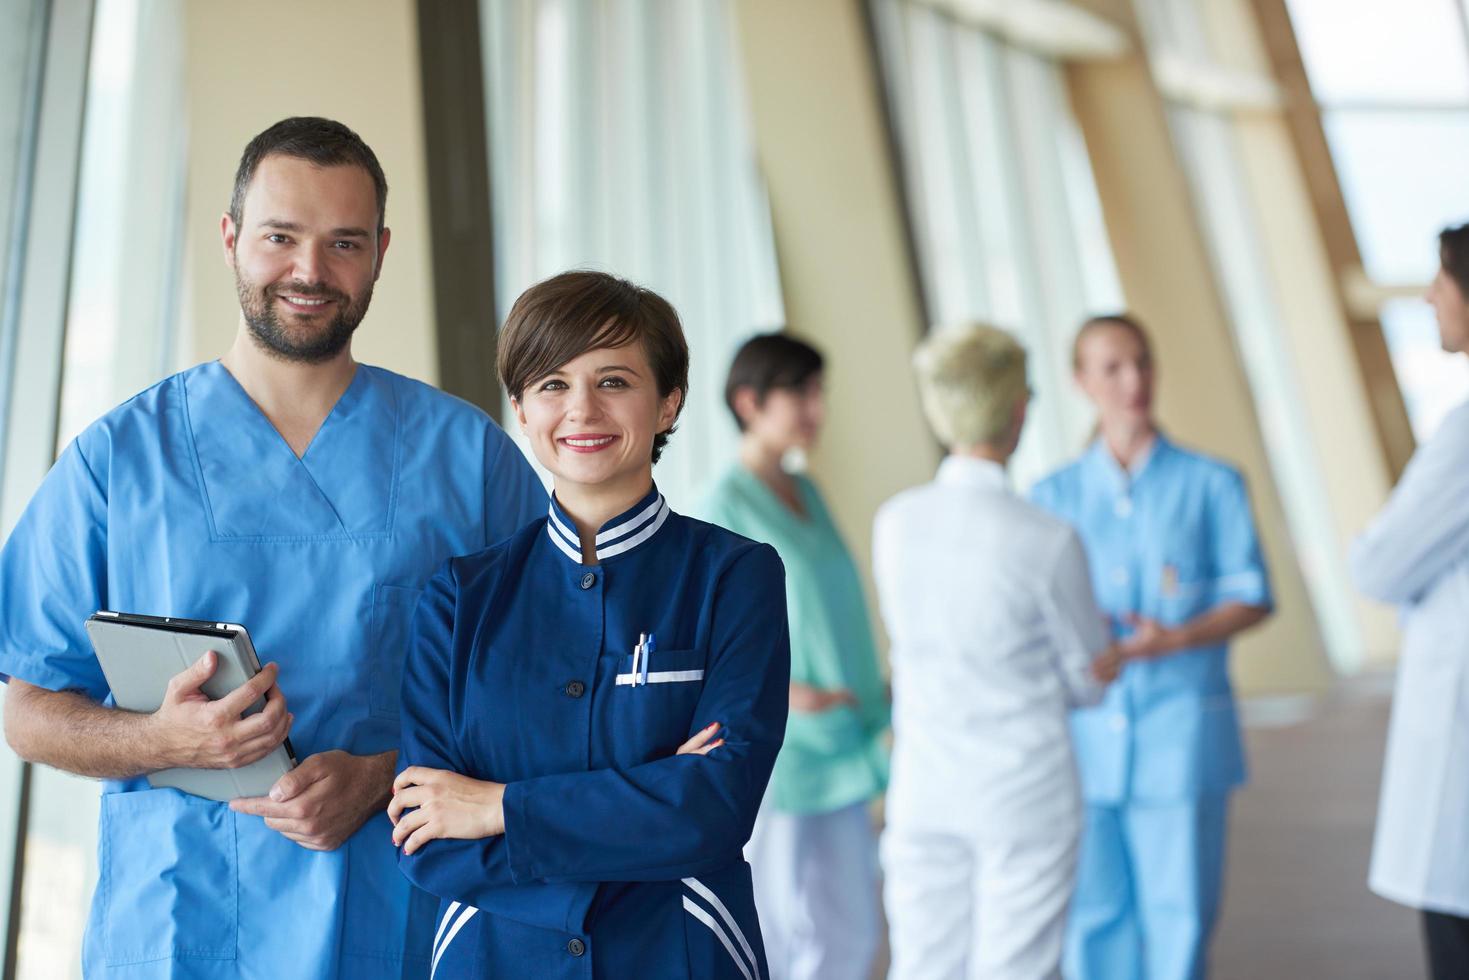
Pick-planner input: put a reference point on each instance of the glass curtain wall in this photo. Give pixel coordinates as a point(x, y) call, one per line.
point(114, 324)
point(1003, 204)
point(619, 141)
point(1392, 84)
point(22, 39)
point(1208, 150)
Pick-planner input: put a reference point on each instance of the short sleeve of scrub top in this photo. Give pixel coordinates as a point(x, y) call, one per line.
point(1238, 567)
point(53, 573)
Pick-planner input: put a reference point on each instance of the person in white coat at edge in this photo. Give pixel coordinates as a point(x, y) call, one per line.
point(1415, 554)
point(995, 637)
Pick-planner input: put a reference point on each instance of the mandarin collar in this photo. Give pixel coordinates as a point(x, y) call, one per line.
point(626, 532)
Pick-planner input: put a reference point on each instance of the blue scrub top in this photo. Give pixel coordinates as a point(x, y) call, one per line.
point(185, 501)
point(619, 859)
point(1169, 541)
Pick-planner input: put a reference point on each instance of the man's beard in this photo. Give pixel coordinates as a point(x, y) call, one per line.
point(306, 345)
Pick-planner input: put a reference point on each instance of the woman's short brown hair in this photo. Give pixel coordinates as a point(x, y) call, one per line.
point(566, 316)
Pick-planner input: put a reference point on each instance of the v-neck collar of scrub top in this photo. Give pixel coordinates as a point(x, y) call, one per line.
point(626, 532)
point(256, 487)
point(969, 471)
point(1123, 479)
point(809, 521)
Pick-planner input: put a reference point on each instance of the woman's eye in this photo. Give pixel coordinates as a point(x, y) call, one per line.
point(613, 382)
point(552, 385)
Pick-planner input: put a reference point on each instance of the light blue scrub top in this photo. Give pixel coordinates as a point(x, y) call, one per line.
point(185, 501)
point(1169, 541)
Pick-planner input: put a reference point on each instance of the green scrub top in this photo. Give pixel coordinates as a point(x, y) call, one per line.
point(834, 758)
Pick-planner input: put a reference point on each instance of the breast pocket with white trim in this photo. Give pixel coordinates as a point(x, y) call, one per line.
point(663, 705)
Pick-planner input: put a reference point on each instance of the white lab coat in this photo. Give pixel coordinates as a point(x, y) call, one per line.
point(989, 607)
point(1415, 554)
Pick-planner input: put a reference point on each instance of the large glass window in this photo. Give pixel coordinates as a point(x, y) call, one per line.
point(1392, 81)
point(619, 141)
point(22, 39)
point(1004, 208)
point(95, 267)
point(1209, 151)
point(122, 306)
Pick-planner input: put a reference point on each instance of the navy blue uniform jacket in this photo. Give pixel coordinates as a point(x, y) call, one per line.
point(619, 859)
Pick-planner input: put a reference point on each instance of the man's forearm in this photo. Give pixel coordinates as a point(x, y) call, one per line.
point(68, 730)
point(384, 771)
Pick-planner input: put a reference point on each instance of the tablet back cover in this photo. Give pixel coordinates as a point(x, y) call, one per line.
point(139, 661)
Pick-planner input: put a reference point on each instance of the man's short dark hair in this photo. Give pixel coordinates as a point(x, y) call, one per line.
point(767, 362)
point(1453, 255)
point(323, 142)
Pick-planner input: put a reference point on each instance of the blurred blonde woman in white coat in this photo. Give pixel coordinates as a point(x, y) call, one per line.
point(1415, 554)
point(995, 637)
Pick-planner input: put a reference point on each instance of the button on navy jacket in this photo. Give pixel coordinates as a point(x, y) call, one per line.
point(619, 859)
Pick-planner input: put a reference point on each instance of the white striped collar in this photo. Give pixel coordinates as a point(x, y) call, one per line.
point(622, 534)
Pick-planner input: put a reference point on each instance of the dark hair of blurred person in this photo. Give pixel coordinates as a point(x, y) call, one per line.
point(1449, 292)
point(767, 363)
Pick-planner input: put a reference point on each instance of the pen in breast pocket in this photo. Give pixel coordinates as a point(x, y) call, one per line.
point(637, 654)
point(649, 645)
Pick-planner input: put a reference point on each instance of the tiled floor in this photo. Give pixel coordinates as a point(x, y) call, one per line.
point(1297, 904)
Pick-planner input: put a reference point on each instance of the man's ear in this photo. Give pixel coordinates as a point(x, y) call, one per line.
point(382, 250)
point(229, 236)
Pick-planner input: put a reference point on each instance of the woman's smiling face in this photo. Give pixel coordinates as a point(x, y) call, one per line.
point(591, 422)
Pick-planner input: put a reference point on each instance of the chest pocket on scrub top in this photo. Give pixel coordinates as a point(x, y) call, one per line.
point(663, 708)
point(1184, 586)
point(392, 616)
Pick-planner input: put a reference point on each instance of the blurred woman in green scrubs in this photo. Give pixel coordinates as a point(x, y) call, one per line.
point(813, 853)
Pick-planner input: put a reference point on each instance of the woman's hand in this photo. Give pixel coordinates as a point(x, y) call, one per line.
point(1107, 665)
point(429, 804)
point(700, 744)
point(1150, 639)
point(805, 697)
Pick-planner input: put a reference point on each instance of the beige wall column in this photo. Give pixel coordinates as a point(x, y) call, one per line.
point(1167, 278)
point(249, 65)
point(815, 97)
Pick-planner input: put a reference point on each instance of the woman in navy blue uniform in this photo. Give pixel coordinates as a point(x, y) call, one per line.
point(592, 707)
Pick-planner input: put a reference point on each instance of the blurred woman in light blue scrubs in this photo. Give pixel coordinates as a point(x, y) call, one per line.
point(1176, 565)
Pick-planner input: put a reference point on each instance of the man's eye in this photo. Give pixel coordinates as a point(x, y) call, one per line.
point(276, 238)
point(345, 246)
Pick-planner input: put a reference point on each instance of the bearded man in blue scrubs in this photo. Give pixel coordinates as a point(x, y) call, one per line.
point(289, 488)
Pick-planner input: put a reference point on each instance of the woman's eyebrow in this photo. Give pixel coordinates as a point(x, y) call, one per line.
point(616, 367)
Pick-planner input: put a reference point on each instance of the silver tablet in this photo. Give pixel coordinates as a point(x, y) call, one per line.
point(141, 654)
